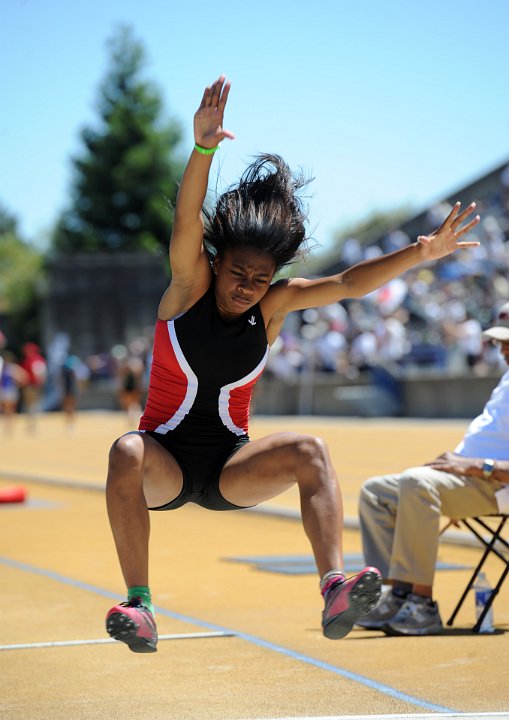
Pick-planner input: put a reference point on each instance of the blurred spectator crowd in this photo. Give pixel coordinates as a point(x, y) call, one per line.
point(38, 381)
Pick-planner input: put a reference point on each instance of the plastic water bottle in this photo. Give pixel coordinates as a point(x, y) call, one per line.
point(483, 591)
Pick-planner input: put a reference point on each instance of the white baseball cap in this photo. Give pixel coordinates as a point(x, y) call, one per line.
point(500, 331)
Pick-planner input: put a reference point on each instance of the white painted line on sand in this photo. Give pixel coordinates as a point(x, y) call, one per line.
point(103, 641)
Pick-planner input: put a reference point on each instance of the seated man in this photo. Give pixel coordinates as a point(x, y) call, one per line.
point(400, 514)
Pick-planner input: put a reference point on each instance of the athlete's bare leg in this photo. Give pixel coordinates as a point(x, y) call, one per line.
point(141, 474)
point(267, 467)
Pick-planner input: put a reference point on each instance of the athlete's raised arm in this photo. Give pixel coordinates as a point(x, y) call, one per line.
point(186, 245)
point(190, 269)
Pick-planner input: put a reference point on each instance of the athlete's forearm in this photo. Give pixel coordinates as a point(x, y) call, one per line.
point(193, 188)
point(369, 275)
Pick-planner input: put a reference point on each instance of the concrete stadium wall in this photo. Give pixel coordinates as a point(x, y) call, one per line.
point(430, 396)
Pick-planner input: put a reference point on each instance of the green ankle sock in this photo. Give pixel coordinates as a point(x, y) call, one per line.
point(143, 592)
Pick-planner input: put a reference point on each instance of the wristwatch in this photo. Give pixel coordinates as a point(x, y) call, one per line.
point(488, 468)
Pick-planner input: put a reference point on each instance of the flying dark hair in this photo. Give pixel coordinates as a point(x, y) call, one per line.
point(263, 211)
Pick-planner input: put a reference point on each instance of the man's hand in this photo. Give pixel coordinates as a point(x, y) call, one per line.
point(457, 465)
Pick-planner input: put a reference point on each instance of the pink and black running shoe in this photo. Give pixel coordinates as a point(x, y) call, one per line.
point(133, 623)
point(347, 600)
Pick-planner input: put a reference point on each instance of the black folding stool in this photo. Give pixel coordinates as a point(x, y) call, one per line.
point(489, 540)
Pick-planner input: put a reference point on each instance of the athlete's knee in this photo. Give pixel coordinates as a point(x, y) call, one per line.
point(126, 452)
point(311, 458)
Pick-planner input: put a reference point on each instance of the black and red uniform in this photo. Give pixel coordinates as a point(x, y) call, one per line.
point(203, 372)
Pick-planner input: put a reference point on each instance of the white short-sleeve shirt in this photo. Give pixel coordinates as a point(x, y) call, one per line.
point(488, 434)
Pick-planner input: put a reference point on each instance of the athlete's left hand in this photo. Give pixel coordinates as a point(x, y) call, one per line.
point(446, 239)
point(208, 119)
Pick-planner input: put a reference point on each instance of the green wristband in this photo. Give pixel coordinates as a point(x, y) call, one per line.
point(205, 151)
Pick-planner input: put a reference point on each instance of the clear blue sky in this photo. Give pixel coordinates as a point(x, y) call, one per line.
point(385, 103)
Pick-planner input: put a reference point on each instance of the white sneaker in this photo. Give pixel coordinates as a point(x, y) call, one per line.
point(417, 616)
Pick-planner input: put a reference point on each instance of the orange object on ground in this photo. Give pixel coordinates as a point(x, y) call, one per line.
point(13, 494)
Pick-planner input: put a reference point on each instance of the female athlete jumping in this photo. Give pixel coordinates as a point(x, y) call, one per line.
point(217, 320)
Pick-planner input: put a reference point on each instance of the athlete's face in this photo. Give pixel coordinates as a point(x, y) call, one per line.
point(243, 276)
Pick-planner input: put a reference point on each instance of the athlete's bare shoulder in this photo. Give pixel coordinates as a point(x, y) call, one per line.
point(180, 296)
point(281, 297)
point(275, 306)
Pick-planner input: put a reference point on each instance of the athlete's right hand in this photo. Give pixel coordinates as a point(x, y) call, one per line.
point(208, 119)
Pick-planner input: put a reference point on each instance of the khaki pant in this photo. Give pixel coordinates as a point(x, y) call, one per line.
point(400, 518)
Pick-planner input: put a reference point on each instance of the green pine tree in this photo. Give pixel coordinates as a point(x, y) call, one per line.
point(125, 180)
point(21, 272)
